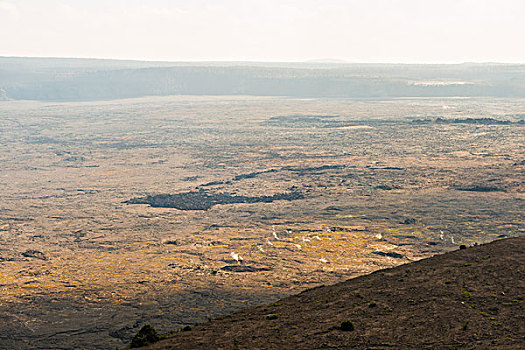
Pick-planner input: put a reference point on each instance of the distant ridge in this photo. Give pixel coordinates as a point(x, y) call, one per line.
point(326, 60)
point(70, 79)
point(466, 299)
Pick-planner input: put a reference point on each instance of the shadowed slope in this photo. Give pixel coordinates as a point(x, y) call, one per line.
point(470, 298)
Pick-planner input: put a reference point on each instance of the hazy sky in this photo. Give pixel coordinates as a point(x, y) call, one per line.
point(266, 30)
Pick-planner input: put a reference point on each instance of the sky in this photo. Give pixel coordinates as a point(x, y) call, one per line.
point(409, 31)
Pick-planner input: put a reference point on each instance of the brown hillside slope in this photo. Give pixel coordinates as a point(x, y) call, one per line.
point(466, 299)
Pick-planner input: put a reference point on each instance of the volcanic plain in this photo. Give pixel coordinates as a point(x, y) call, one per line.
point(173, 210)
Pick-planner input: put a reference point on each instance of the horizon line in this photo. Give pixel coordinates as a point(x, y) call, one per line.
point(306, 61)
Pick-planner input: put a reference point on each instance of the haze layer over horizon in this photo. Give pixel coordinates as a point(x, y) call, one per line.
point(389, 31)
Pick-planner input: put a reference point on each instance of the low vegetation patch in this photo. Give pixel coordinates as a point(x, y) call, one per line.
point(147, 335)
point(466, 295)
point(347, 326)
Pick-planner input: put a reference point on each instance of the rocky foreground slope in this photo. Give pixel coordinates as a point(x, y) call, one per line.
point(467, 299)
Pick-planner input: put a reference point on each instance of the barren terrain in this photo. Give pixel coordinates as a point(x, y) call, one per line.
point(466, 299)
point(306, 191)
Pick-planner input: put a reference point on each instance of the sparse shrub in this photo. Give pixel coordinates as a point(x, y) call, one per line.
point(507, 339)
point(493, 309)
point(146, 335)
point(466, 295)
point(347, 326)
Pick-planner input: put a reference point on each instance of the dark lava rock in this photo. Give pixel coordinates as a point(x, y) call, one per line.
point(34, 254)
point(212, 183)
point(333, 208)
point(483, 121)
point(74, 159)
point(7, 259)
point(390, 254)
point(340, 229)
point(393, 168)
point(202, 200)
point(243, 268)
point(409, 221)
point(479, 188)
point(252, 175)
